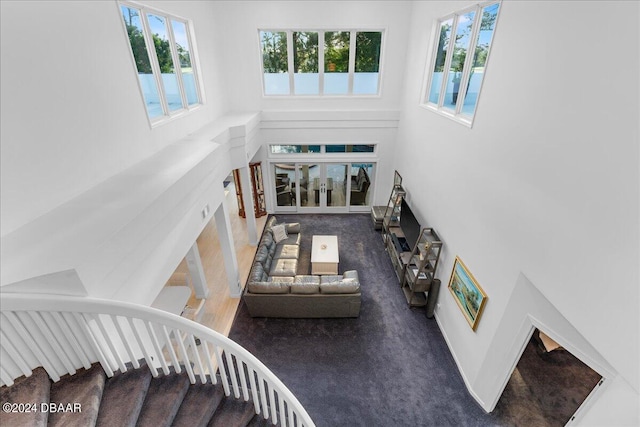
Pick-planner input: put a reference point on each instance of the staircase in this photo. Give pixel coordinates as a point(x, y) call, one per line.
point(132, 398)
point(79, 361)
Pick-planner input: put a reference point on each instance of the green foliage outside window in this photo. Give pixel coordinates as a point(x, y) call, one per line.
point(305, 52)
point(336, 52)
point(368, 52)
point(274, 51)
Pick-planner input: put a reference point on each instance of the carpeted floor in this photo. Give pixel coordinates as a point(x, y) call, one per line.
point(389, 367)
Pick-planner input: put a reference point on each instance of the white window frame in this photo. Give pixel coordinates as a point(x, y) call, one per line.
point(456, 114)
point(155, 67)
point(352, 61)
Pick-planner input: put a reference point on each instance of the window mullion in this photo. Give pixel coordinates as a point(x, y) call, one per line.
point(153, 58)
point(176, 64)
point(321, 62)
point(352, 60)
point(447, 61)
point(468, 61)
point(290, 60)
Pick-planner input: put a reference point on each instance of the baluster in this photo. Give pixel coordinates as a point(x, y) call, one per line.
point(291, 420)
point(254, 390)
point(192, 343)
point(5, 377)
point(156, 346)
point(263, 397)
point(127, 344)
point(101, 339)
point(184, 356)
point(14, 355)
point(80, 335)
point(71, 338)
point(110, 343)
point(272, 402)
point(212, 371)
point(232, 374)
point(243, 379)
point(172, 353)
point(88, 333)
point(18, 341)
point(42, 360)
point(282, 416)
point(60, 339)
point(142, 347)
point(223, 372)
point(41, 332)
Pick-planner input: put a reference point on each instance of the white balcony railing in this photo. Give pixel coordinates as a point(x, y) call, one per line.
point(63, 333)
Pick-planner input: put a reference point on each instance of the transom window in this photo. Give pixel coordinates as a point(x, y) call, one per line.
point(341, 62)
point(329, 148)
point(455, 76)
point(162, 46)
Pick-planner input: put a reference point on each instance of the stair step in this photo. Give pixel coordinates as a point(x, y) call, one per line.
point(258, 421)
point(233, 412)
point(123, 397)
point(33, 389)
point(77, 398)
point(199, 405)
point(164, 397)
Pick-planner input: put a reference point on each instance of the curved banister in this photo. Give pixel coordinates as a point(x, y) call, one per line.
point(64, 333)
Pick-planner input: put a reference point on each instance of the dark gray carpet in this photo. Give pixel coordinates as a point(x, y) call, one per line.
point(389, 367)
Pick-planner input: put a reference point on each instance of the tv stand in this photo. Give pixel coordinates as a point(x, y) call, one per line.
point(399, 257)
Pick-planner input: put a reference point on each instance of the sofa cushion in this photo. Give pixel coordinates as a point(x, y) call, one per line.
point(344, 286)
point(262, 253)
point(287, 251)
point(279, 233)
point(284, 267)
point(267, 239)
point(293, 228)
point(304, 284)
point(269, 287)
point(293, 239)
point(257, 273)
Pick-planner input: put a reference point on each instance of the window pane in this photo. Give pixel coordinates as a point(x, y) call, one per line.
point(294, 149)
point(184, 55)
point(305, 63)
point(141, 56)
point(336, 62)
point(158, 26)
point(274, 62)
point(461, 45)
point(487, 25)
point(441, 55)
point(360, 184)
point(367, 64)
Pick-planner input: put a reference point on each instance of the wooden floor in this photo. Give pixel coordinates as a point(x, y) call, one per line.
point(219, 309)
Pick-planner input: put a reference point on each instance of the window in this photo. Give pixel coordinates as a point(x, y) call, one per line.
point(162, 48)
point(461, 49)
point(321, 62)
point(333, 148)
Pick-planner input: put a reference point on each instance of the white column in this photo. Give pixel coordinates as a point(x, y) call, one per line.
point(223, 226)
point(249, 210)
point(196, 271)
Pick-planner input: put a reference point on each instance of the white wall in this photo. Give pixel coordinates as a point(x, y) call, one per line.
point(72, 112)
point(546, 183)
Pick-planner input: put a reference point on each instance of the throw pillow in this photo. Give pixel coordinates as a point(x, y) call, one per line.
point(279, 233)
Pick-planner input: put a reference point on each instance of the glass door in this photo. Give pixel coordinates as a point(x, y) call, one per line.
point(321, 187)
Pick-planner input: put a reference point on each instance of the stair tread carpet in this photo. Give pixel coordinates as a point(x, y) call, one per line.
point(34, 389)
point(233, 413)
point(76, 398)
point(199, 405)
point(164, 397)
point(123, 397)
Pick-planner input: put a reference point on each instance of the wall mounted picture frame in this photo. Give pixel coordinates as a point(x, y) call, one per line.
point(467, 293)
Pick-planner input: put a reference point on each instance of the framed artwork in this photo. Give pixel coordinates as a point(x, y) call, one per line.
point(467, 292)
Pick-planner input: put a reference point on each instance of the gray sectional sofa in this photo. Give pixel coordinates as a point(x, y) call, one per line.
point(275, 289)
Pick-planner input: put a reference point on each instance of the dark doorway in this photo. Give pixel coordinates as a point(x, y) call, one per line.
point(547, 386)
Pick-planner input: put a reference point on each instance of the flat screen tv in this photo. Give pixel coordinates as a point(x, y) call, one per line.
point(409, 224)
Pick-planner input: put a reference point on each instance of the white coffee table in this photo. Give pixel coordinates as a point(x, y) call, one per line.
point(324, 255)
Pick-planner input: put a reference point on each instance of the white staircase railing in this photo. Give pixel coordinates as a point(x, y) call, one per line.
point(63, 333)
